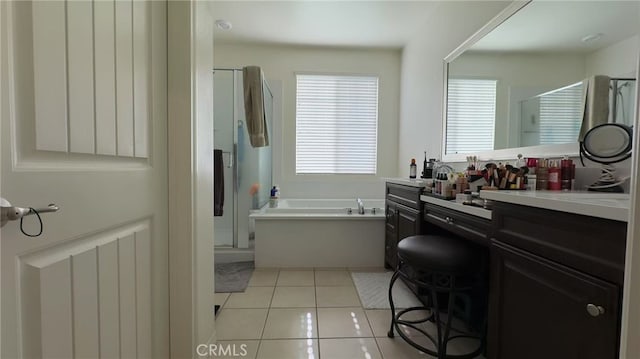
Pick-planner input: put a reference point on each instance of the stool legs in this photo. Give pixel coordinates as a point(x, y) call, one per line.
point(443, 328)
point(394, 277)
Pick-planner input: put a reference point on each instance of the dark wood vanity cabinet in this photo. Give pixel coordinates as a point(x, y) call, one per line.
point(403, 209)
point(467, 226)
point(556, 284)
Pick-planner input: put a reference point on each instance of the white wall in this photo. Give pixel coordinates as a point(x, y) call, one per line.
point(280, 63)
point(420, 127)
point(617, 60)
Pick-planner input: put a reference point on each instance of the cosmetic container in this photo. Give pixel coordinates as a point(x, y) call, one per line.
point(566, 169)
point(413, 168)
point(555, 173)
point(542, 178)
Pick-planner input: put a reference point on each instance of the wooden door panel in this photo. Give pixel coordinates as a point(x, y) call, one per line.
point(86, 83)
point(89, 291)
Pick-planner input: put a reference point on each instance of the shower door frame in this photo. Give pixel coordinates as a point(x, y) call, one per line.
point(233, 156)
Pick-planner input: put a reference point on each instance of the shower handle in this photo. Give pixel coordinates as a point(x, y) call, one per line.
point(230, 161)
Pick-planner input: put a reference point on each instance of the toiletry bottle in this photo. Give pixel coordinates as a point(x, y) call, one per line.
point(555, 182)
point(542, 175)
point(425, 166)
point(275, 194)
point(413, 168)
point(566, 167)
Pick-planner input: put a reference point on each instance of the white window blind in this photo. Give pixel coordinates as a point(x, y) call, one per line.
point(471, 115)
point(336, 124)
point(561, 114)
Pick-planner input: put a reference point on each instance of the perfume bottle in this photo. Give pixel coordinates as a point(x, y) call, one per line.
point(413, 168)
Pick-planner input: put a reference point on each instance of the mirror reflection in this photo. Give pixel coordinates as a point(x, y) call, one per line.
point(525, 82)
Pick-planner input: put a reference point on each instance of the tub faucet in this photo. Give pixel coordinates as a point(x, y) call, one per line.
point(360, 206)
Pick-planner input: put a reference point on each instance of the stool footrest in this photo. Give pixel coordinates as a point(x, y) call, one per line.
point(446, 333)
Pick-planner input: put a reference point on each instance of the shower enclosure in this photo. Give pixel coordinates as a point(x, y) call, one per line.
point(247, 170)
point(622, 102)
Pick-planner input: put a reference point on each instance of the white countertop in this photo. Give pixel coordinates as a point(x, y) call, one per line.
point(474, 211)
point(596, 204)
point(413, 182)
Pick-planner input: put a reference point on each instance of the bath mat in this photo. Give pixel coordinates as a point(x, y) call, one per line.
point(233, 277)
point(373, 289)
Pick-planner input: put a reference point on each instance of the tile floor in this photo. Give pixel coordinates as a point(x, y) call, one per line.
point(308, 314)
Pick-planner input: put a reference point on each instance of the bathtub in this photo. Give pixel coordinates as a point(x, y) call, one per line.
point(320, 233)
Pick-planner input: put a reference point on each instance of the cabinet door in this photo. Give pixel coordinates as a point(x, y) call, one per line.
point(391, 236)
point(539, 309)
point(409, 222)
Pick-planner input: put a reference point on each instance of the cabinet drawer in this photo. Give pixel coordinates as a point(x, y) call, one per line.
point(593, 245)
point(465, 225)
point(405, 195)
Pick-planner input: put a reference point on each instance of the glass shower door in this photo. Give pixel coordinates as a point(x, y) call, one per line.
point(246, 170)
point(224, 139)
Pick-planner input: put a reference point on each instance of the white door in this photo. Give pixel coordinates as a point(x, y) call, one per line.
point(84, 127)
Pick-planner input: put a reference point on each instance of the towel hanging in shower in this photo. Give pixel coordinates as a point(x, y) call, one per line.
point(596, 100)
point(218, 183)
point(254, 106)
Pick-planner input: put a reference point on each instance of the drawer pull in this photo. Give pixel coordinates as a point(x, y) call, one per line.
point(449, 220)
point(594, 310)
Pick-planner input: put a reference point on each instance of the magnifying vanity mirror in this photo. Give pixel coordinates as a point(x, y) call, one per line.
point(519, 85)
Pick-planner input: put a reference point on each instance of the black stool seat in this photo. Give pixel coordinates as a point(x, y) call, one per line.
point(439, 253)
point(449, 269)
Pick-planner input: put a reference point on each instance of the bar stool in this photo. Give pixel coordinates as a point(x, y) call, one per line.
point(449, 269)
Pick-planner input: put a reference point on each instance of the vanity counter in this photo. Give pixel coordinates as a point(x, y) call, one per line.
point(614, 206)
point(452, 204)
point(412, 182)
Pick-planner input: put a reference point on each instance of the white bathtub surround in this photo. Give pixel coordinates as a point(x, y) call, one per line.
point(319, 233)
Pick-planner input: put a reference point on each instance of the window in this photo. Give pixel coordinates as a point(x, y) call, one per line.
point(471, 115)
point(561, 114)
point(336, 124)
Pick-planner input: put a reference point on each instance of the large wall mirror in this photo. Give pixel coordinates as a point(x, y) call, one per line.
point(518, 85)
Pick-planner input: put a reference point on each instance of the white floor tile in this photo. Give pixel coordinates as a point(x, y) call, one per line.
point(291, 323)
point(238, 324)
point(333, 278)
point(343, 323)
point(337, 297)
point(264, 278)
point(349, 348)
point(232, 349)
point(396, 348)
point(252, 297)
point(220, 298)
point(294, 297)
point(380, 321)
point(289, 349)
point(290, 278)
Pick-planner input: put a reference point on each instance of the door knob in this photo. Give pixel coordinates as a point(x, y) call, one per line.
point(594, 310)
point(12, 213)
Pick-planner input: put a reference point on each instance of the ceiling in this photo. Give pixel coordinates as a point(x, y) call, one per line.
point(554, 26)
point(384, 24)
point(541, 26)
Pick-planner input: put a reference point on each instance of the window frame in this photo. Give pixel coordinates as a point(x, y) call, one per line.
point(375, 163)
point(446, 116)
